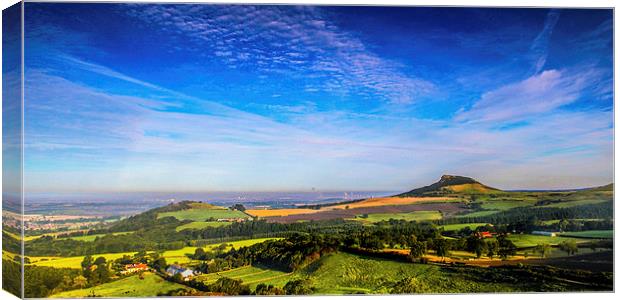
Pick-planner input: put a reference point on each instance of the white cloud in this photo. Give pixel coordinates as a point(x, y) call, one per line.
point(538, 94)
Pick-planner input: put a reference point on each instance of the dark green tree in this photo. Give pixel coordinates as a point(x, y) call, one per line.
point(298, 287)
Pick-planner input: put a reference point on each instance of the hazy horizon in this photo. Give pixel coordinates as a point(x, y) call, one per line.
point(139, 97)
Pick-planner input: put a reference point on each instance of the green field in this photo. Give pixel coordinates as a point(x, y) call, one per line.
point(250, 275)
point(504, 205)
point(595, 234)
point(202, 225)
point(92, 237)
point(481, 213)
point(203, 214)
point(171, 256)
point(73, 261)
point(564, 204)
point(410, 216)
point(180, 256)
point(457, 227)
point(530, 240)
point(343, 273)
point(132, 286)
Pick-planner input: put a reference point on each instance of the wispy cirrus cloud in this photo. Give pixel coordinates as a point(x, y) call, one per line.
point(540, 46)
point(535, 95)
point(297, 41)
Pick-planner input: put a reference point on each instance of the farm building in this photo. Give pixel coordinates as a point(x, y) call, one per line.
point(545, 233)
point(176, 269)
point(133, 268)
point(484, 234)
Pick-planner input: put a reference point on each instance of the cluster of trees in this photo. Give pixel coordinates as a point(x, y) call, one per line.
point(389, 234)
point(44, 281)
point(40, 282)
point(603, 210)
point(287, 254)
point(238, 207)
point(268, 290)
point(11, 277)
point(95, 271)
point(576, 225)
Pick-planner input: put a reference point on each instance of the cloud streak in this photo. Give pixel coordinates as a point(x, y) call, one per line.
point(297, 41)
point(535, 95)
point(540, 46)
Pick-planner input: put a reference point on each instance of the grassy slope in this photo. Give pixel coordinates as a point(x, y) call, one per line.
point(457, 227)
point(171, 255)
point(576, 203)
point(344, 273)
point(481, 213)
point(202, 225)
point(92, 237)
point(73, 261)
point(132, 286)
point(411, 216)
point(530, 240)
point(602, 234)
point(251, 275)
point(202, 214)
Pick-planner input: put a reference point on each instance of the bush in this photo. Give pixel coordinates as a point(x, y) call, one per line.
point(298, 287)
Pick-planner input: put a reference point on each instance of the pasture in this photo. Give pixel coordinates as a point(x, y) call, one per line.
point(180, 256)
point(565, 204)
point(482, 213)
point(530, 240)
point(203, 214)
point(92, 237)
point(251, 275)
point(132, 286)
point(504, 205)
point(73, 261)
point(410, 216)
point(592, 234)
point(344, 273)
point(171, 256)
point(202, 225)
point(457, 227)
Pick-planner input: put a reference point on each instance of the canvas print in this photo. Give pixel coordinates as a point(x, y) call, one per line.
point(224, 150)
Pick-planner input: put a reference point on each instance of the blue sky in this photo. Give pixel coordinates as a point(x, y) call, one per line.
point(290, 98)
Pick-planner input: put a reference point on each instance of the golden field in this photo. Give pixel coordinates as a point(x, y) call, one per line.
point(280, 212)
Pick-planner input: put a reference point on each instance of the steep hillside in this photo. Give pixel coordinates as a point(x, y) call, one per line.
point(451, 184)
